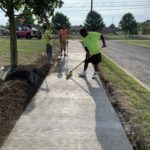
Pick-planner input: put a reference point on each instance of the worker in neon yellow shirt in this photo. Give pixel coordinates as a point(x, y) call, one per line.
point(48, 39)
point(92, 47)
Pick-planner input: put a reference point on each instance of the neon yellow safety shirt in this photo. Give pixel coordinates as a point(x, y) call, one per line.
point(47, 34)
point(91, 41)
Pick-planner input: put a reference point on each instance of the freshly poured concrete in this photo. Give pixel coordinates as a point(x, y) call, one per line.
point(69, 115)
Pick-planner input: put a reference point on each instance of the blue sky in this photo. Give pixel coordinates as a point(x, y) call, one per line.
point(110, 10)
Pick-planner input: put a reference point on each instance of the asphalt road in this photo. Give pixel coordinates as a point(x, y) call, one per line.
point(135, 59)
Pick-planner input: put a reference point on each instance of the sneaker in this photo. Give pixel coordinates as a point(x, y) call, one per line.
point(50, 63)
point(83, 74)
point(94, 75)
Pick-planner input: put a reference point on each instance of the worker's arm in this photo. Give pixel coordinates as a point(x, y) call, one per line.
point(87, 53)
point(103, 41)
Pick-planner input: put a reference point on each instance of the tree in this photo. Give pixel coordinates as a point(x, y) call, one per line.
point(145, 27)
point(42, 9)
point(60, 19)
point(25, 18)
point(128, 24)
point(113, 28)
point(94, 21)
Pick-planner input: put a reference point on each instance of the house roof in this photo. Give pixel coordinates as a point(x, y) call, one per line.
point(4, 29)
point(76, 27)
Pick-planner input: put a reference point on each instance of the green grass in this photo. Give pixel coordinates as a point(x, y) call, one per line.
point(28, 50)
point(145, 43)
point(123, 37)
point(134, 98)
point(114, 37)
point(146, 36)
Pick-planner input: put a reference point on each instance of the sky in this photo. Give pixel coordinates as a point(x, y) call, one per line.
point(110, 10)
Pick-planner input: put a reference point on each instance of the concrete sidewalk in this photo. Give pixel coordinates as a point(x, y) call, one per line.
point(69, 115)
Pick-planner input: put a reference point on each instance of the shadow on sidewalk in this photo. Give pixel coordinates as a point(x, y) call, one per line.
point(93, 92)
point(62, 67)
point(102, 114)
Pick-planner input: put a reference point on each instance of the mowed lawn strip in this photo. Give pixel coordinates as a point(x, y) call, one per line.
point(28, 50)
point(131, 98)
point(145, 43)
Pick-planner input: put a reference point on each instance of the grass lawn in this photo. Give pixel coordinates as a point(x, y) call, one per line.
point(131, 97)
point(114, 37)
point(146, 36)
point(28, 50)
point(123, 37)
point(145, 43)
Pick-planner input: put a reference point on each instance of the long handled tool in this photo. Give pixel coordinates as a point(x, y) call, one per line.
point(69, 73)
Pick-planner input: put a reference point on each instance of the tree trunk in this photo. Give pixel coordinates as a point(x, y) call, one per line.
point(13, 39)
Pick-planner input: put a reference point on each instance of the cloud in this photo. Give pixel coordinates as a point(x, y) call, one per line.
point(76, 10)
point(3, 19)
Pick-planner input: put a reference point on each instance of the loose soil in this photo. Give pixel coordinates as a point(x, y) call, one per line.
point(16, 94)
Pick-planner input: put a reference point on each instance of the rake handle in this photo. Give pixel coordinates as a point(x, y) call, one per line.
point(78, 65)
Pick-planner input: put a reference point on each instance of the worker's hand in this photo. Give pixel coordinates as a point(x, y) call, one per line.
point(87, 56)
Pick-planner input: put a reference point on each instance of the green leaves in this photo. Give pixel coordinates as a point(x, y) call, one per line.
point(42, 9)
point(94, 21)
point(128, 24)
point(59, 19)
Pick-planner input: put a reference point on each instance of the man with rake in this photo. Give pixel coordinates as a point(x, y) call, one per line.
point(91, 43)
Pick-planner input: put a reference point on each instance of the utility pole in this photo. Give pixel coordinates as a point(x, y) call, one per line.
point(91, 5)
point(112, 19)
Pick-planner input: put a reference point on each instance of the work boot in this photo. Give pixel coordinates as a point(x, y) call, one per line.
point(83, 74)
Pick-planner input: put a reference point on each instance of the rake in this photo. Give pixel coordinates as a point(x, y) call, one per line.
point(69, 73)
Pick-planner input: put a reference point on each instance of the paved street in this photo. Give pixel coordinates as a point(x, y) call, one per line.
point(69, 115)
point(135, 59)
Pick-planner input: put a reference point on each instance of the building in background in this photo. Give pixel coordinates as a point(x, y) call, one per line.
point(75, 30)
point(4, 31)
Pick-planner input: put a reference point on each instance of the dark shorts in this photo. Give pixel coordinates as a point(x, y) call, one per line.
point(95, 59)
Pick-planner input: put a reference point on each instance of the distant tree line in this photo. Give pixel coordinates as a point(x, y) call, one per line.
point(93, 22)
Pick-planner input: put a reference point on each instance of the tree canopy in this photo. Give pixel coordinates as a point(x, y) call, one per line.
point(94, 21)
point(42, 9)
point(128, 24)
point(25, 18)
point(60, 19)
point(145, 27)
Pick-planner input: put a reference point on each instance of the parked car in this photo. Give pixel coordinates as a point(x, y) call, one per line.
point(28, 32)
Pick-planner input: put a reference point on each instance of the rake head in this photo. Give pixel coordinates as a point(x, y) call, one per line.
point(68, 75)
